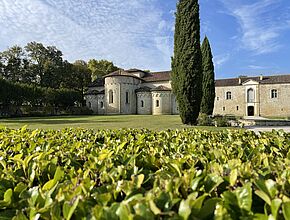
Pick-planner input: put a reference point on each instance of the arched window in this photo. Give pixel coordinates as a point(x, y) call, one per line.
point(228, 95)
point(111, 97)
point(251, 95)
point(274, 93)
point(127, 97)
point(89, 104)
point(142, 103)
point(157, 103)
point(102, 104)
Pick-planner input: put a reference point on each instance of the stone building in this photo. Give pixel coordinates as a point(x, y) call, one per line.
point(253, 96)
point(132, 92)
point(138, 92)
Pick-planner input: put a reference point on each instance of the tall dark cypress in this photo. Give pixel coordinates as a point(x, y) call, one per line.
point(186, 61)
point(208, 85)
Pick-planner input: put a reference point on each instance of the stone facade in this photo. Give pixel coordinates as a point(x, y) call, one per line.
point(266, 96)
point(132, 92)
point(138, 92)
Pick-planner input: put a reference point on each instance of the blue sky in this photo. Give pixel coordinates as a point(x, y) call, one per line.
point(248, 37)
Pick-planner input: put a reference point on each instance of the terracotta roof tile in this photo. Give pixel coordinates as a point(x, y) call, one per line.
point(278, 79)
point(157, 76)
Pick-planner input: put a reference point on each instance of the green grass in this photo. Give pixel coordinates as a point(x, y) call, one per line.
point(100, 122)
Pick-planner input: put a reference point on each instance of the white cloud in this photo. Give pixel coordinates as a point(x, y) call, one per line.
point(220, 60)
point(131, 33)
point(261, 24)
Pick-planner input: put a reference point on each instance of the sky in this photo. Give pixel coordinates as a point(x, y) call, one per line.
point(248, 37)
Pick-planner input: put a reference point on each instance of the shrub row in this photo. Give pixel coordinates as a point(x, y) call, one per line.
point(17, 95)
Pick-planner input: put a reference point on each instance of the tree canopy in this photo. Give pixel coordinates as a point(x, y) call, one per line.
point(99, 68)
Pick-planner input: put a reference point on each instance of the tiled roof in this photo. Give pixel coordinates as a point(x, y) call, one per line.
point(143, 89)
point(157, 76)
point(278, 79)
point(161, 88)
point(97, 83)
point(95, 92)
point(121, 73)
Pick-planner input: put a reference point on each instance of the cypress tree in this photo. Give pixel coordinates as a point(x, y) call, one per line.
point(208, 84)
point(186, 61)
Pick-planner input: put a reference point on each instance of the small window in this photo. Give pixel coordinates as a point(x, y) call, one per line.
point(224, 108)
point(142, 103)
point(274, 93)
point(127, 97)
point(102, 104)
point(228, 95)
point(217, 98)
point(237, 108)
point(111, 97)
point(157, 103)
point(90, 105)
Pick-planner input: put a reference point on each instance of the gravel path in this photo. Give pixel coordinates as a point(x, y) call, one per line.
point(261, 129)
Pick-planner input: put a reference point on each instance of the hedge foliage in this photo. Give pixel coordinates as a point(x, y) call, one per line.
point(17, 94)
point(141, 174)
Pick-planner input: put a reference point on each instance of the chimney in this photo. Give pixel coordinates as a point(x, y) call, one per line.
point(261, 77)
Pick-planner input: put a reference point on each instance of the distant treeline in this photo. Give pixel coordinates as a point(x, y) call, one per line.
point(38, 76)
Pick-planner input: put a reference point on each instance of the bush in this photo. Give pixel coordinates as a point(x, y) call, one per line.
point(221, 121)
point(204, 120)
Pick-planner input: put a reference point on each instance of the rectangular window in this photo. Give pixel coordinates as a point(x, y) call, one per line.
point(157, 103)
point(237, 108)
point(228, 95)
point(274, 93)
point(142, 103)
point(127, 97)
point(224, 108)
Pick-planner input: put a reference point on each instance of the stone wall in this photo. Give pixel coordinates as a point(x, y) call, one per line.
point(146, 99)
point(279, 106)
point(161, 103)
point(120, 85)
point(234, 106)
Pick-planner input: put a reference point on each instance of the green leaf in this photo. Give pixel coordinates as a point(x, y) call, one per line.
point(154, 208)
point(208, 208)
point(244, 196)
point(233, 177)
point(49, 185)
point(59, 173)
point(69, 209)
point(123, 212)
point(286, 210)
point(212, 181)
point(263, 196)
point(184, 210)
point(8, 196)
point(275, 205)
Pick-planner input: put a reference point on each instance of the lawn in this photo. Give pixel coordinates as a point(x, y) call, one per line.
point(100, 122)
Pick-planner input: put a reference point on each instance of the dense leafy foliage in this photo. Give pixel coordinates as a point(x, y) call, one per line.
point(140, 174)
point(19, 94)
point(187, 61)
point(208, 82)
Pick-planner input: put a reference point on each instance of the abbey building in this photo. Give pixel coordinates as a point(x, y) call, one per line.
point(138, 92)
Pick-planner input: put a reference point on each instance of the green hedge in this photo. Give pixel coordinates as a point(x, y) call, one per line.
point(142, 174)
point(16, 95)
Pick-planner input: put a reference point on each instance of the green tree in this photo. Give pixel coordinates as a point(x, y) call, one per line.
point(78, 76)
point(46, 64)
point(186, 61)
point(13, 64)
point(99, 68)
point(208, 84)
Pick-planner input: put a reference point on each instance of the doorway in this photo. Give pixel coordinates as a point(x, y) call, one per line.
point(251, 111)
